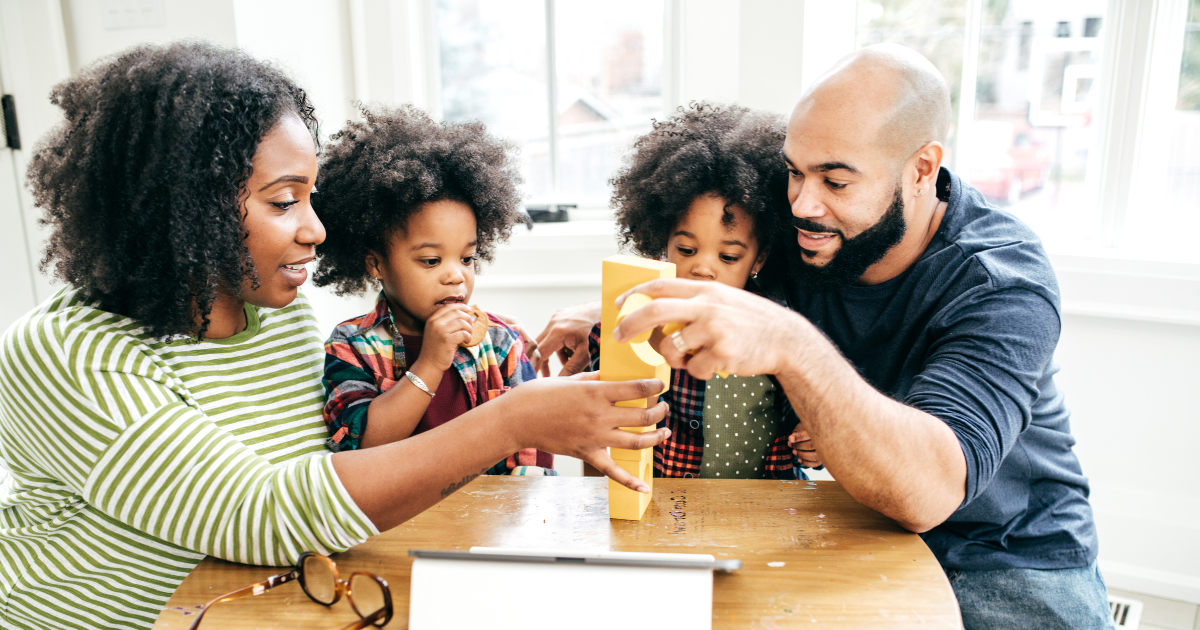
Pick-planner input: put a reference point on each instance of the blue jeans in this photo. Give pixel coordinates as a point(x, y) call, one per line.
point(1071, 599)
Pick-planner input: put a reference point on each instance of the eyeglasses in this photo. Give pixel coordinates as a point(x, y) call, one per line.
point(367, 593)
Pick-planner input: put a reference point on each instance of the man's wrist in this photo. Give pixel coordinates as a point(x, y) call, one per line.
point(806, 357)
point(793, 349)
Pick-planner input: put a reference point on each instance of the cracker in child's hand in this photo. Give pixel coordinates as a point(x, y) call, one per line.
point(479, 328)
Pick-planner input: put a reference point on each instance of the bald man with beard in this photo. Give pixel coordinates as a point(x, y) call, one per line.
point(916, 346)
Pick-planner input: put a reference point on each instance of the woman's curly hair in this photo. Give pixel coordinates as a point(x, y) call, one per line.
point(732, 152)
point(378, 172)
point(142, 182)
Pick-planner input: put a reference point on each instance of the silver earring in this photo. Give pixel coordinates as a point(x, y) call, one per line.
point(920, 192)
point(754, 275)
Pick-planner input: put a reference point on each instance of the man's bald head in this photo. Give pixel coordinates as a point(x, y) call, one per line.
point(890, 92)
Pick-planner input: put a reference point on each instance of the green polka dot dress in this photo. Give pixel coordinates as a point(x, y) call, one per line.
point(740, 422)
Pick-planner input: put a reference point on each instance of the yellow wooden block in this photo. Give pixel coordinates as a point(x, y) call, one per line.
point(629, 361)
point(626, 504)
point(635, 360)
point(627, 455)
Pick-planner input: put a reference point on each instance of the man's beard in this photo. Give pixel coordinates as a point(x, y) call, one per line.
point(851, 261)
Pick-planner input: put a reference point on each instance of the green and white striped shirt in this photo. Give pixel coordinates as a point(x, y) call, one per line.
point(133, 458)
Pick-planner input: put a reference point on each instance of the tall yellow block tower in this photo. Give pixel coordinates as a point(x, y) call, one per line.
point(629, 361)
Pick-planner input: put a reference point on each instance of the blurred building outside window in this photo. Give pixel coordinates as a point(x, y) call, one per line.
point(1181, 118)
point(572, 113)
point(1026, 140)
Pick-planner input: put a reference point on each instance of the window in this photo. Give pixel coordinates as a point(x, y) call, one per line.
point(1182, 177)
point(573, 112)
point(1021, 76)
point(1082, 129)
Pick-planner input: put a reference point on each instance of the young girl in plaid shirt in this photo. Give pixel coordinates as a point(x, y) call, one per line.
point(705, 190)
point(410, 205)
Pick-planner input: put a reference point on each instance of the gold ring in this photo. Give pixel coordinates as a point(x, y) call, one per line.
point(679, 343)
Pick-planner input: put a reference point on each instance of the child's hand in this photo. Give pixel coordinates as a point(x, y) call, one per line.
point(803, 448)
point(445, 330)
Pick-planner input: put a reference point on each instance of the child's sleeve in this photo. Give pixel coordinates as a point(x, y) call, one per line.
point(349, 389)
point(515, 369)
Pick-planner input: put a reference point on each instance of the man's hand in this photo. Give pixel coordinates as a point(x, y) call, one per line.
point(803, 448)
point(725, 329)
point(445, 330)
point(567, 336)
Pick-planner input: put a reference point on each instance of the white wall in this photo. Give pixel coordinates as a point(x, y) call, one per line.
point(761, 53)
point(310, 41)
point(90, 39)
point(1131, 387)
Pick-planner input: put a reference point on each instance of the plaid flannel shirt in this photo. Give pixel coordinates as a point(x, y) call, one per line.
point(680, 454)
point(363, 360)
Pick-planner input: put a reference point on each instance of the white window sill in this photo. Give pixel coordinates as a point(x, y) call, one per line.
point(1116, 286)
point(1095, 282)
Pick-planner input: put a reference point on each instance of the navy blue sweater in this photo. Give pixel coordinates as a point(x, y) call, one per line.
point(967, 334)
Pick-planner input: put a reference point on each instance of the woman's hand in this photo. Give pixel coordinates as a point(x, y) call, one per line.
point(570, 416)
point(567, 335)
point(576, 416)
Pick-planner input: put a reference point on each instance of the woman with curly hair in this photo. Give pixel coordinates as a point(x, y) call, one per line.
point(166, 404)
point(705, 190)
point(411, 205)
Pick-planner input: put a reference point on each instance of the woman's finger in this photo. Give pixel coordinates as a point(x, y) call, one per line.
point(634, 417)
point(616, 391)
point(637, 441)
point(606, 465)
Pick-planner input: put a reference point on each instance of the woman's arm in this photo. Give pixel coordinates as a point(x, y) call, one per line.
point(570, 416)
point(131, 442)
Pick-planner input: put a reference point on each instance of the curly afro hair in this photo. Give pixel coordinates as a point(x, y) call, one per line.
point(378, 172)
point(732, 152)
point(141, 184)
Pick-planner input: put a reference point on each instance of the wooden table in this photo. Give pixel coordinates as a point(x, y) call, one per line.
point(812, 556)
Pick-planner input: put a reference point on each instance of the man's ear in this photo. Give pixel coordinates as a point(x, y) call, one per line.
point(926, 162)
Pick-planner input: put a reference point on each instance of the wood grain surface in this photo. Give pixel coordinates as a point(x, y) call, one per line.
point(812, 556)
